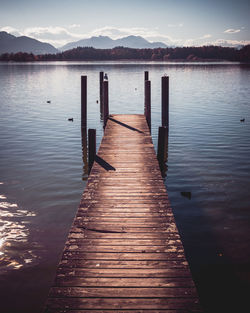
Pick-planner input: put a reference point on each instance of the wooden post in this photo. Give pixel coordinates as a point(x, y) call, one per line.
point(101, 92)
point(92, 147)
point(84, 101)
point(147, 109)
point(105, 102)
point(145, 79)
point(165, 101)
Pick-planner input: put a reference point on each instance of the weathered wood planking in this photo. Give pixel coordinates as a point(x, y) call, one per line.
point(124, 251)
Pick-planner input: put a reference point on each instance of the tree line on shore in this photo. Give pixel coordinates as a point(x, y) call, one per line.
point(122, 53)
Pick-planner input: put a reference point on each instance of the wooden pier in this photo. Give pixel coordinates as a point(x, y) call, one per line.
point(123, 252)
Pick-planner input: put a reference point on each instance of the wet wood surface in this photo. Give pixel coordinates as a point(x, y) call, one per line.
point(123, 252)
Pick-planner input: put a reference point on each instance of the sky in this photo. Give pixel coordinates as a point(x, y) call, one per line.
point(174, 22)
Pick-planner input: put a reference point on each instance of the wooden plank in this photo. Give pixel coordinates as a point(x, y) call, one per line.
point(118, 292)
point(127, 221)
point(123, 256)
point(121, 272)
point(124, 282)
point(186, 304)
point(113, 311)
point(117, 205)
point(123, 252)
point(120, 242)
point(135, 264)
point(123, 249)
point(84, 233)
point(122, 228)
point(119, 213)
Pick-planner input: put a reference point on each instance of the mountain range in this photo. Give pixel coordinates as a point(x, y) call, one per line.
point(105, 42)
point(12, 44)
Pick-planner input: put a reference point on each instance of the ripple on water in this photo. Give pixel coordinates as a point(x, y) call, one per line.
point(15, 250)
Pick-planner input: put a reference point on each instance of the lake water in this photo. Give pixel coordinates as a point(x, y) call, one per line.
point(42, 174)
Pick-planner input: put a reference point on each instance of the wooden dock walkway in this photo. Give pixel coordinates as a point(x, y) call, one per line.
point(123, 252)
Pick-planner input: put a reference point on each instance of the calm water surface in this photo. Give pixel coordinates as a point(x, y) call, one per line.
point(42, 174)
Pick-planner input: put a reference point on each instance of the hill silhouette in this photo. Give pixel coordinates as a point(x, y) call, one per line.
point(12, 44)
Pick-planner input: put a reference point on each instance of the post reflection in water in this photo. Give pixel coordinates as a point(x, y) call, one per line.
point(84, 154)
point(101, 105)
point(101, 112)
point(164, 159)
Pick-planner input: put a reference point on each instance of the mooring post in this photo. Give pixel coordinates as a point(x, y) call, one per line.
point(92, 147)
point(147, 108)
point(165, 101)
point(105, 102)
point(84, 101)
point(101, 92)
point(162, 144)
point(145, 79)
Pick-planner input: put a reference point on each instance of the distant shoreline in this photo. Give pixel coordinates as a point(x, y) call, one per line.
point(179, 54)
point(134, 60)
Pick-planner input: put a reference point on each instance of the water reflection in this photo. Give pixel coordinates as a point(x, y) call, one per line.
point(163, 159)
point(15, 251)
point(186, 194)
point(84, 154)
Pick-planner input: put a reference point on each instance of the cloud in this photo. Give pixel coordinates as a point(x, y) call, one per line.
point(196, 41)
point(11, 30)
point(218, 42)
point(74, 25)
point(55, 35)
point(230, 43)
point(175, 25)
point(206, 36)
point(232, 31)
point(116, 32)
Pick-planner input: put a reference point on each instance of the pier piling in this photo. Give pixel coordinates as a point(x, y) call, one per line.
point(101, 91)
point(84, 101)
point(105, 102)
point(165, 101)
point(147, 104)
